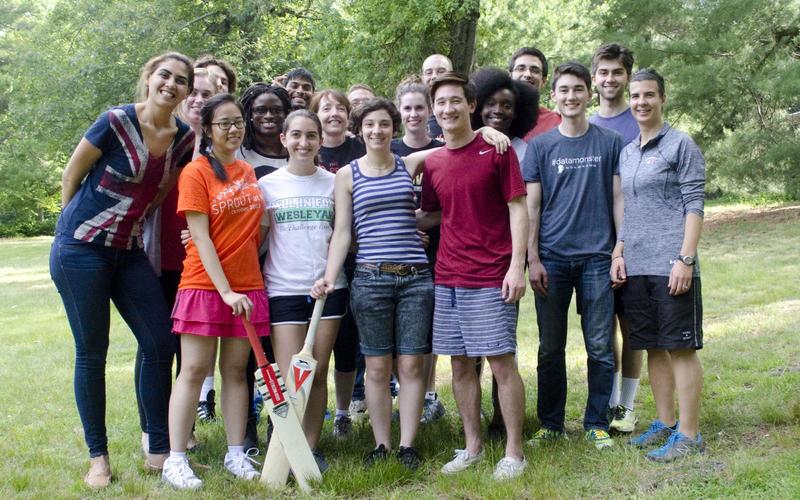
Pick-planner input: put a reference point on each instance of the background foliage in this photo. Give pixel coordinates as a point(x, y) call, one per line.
point(732, 67)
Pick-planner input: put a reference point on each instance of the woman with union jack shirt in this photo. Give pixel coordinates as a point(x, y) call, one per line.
point(120, 171)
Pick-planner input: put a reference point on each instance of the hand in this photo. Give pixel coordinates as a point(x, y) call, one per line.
point(186, 237)
point(240, 303)
point(321, 288)
point(537, 275)
point(513, 286)
point(499, 140)
point(680, 278)
point(280, 81)
point(426, 240)
point(618, 274)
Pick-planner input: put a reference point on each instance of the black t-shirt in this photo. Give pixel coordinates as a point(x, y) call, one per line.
point(434, 130)
point(332, 159)
point(400, 148)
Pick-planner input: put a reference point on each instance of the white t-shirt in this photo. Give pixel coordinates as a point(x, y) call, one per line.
point(262, 164)
point(300, 212)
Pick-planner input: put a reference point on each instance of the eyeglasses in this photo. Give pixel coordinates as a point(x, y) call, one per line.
point(226, 125)
point(533, 69)
point(263, 110)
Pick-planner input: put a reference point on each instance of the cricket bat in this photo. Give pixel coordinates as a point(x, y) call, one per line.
point(302, 367)
point(284, 418)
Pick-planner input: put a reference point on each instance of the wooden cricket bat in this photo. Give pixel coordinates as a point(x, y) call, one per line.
point(288, 427)
point(303, 367)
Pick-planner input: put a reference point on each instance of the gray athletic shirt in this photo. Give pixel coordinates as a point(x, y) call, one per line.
point(661, 184)
point(577, 177)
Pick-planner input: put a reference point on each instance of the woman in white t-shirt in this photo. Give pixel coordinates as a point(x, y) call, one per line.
point(299, 216)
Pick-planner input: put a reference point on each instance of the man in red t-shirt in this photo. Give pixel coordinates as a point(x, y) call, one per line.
point(480, 268)
point(529, 64)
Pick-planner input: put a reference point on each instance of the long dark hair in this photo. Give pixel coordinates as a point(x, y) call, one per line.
point(249, 98)
point(206, 116)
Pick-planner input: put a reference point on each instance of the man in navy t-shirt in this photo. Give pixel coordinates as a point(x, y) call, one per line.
point(574, 204)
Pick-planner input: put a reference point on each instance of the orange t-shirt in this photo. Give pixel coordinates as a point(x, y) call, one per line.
point(234, 208)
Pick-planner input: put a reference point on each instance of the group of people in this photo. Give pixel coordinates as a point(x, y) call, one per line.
point(419, 242)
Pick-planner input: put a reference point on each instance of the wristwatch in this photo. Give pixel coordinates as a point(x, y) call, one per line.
point(686, 259)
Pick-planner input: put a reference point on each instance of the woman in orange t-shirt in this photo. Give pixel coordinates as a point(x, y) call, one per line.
point(223, 206)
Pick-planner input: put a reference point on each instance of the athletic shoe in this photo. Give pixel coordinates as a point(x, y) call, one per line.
point(322, 464)
point(599, 438)
point(379, 454)
point(654, 435)
point(342, 426)
point(545, 435)
point(240, 466)
point(462, 460)
point(251, 438)
point(678, 446)
point(206, 409)
point(358, 409)
point(433, 409)
point(258, 405)
point(624, 420)
point(409, 457)
point(509, 468)
point(178, 474)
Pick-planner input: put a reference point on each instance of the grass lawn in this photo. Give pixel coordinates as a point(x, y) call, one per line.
point(750, 415)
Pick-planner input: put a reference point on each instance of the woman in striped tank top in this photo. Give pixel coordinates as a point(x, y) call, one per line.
point(392, 292)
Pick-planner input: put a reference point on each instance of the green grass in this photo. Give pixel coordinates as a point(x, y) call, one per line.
point(750, 413)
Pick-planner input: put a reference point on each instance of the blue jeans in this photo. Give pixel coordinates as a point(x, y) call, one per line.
point(87, 277)
point(592, 285)
point(393, 312)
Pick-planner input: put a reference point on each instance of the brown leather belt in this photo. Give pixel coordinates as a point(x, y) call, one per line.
point(397, 269)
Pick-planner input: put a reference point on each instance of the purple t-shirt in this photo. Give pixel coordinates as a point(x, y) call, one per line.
point(624, 124)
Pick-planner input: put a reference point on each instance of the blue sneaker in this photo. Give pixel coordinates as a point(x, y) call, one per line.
point(678, 446)
point(656, 434)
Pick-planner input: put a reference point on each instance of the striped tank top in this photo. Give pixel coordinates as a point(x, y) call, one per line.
point(384, 218)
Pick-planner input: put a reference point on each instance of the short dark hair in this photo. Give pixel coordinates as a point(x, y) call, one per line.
point(209, 60)
point(529, 51)
point(572, 68)
point(645, 74)
point(614, 52)
point(457, 79)
point(488, 81)
point(301, 74)
point(374, 104)
point(302, 113)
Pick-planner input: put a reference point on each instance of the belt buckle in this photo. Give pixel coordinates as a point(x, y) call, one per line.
point(403, 269)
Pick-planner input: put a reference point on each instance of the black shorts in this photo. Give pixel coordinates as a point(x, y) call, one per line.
point(658, 320)
point(297, 309)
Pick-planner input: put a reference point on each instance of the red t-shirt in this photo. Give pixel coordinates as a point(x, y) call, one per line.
point(472, 186)
point(547, 120)
point(234, 208)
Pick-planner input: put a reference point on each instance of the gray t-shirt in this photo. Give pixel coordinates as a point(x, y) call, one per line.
point(661, 184)
point(577, 178)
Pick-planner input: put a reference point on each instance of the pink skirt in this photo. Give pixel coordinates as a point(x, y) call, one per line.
point(203, 312)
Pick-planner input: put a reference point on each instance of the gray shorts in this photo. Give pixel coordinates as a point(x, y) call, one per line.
point(473, 322)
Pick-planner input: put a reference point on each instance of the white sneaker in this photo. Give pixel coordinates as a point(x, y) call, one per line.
point(240, 465)
point(178, 474)
point(462, 461)
point(358, 409)
point(509, 468)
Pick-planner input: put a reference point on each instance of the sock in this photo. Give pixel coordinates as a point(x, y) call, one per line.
point(431, 396)
point(177, 454)
point(628, 393)
point(342, 413)
point(208, 384)
point(236, 450)
point(614, 400)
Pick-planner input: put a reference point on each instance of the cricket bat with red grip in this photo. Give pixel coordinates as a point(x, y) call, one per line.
point(288, 427)
point(303, 366)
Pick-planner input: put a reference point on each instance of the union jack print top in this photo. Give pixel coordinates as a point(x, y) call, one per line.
point(110, 206)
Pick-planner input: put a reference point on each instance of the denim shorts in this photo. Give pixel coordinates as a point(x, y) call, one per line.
point(393, 313)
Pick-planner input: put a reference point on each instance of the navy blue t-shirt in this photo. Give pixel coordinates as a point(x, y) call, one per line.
point(577, 178)
point(332, 159)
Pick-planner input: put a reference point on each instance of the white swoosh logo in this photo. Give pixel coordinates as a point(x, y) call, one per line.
point(485, 151)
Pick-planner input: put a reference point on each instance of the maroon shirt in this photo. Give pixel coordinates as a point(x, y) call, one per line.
point(472, 186)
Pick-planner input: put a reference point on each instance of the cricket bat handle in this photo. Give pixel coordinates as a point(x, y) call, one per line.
point(319, 306)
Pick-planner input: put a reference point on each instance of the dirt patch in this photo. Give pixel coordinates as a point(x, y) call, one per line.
point(681, 472)
point(768, 215)
point(783, 370)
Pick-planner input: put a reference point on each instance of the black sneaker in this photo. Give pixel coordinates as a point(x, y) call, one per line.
point(251, 437)
point(409, 457)
point(378, 454)
point(320, 459)
point(206, 409)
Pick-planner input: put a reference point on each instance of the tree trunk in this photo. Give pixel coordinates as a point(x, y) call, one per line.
point(462, 35)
